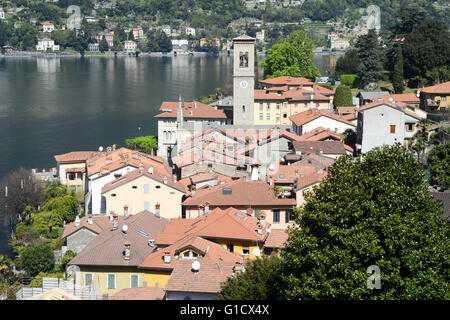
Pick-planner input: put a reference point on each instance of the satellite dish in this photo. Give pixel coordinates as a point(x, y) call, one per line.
point(195, 265)
point(124, 228)
point(271, 167)
point(100, 148)
point(256, 252)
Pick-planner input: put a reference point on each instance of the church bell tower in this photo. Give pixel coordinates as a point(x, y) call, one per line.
point(243, 80)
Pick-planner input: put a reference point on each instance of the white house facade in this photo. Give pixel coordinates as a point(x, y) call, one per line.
point(44, 45)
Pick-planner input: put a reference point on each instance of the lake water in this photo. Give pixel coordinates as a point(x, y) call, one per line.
point(50, 106)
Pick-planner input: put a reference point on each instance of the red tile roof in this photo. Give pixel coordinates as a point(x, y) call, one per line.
point(192, 109)
point(141, 293)
point(442, 88)
point(276, 238)
point(327, 147)
point(121, 158)
point(208, 279)
point(218, 224)
point(307, 116)
point(289, 173)
point(98, 225)
point(77, 156)
point(107, 248)
point(159, 174)
point(406, 97)
point(209, 250)
point(243, 193)
point(320, 134)
point(287, 80)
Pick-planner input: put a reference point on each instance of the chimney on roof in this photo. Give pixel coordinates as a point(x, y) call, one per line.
point(127, 251)
point(175, 178)
point(167, 257)
point(157, 210)
point(115, 221)
point(206, 208)
point(150, 170)
point(90, 221)
point(238, 268)
point(195, 104)
point(151, 242)
point(125, 211)
point(165, 180)
point(77, 221)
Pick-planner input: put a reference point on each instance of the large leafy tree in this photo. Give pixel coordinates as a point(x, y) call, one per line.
point(292, 57)
point(374, 210)
point(370, 68)
point(37, 259)
point(427, 48)
point(144, 143)
point(258, 282)
point(439, 164)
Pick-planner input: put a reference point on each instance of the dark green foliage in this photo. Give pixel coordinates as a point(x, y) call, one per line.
point(69, 255)
point(397, 77)
point(37, 259)
point(343, 97)
point(103, 45)
point(158, 41)
point(258, 282)
point(349, 138)
point(426, 48)
point(439, 164)
point(372, 211)
point(370, 68)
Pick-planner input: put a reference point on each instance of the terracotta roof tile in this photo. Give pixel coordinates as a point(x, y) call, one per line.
point(327, 147)
point(276, 239)
point(238, 193)
point(307, 116)
point(208, 279)
point(141, 293)
point(193, 109)
point(320, 134)
point(442, 88)
point(107, 248)
point(287, 80)
point(77, 156)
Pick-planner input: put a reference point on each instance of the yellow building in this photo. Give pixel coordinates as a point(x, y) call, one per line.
point(148, 189)
point(436, 97)
point(276, 104)
point(112, 259)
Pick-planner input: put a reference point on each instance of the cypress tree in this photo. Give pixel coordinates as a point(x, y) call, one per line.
point(397, 78)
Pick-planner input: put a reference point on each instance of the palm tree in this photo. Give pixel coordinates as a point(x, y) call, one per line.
point(421, 139)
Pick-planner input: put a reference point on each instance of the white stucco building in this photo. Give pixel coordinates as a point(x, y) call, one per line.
point(385, 122)
point(45, 44)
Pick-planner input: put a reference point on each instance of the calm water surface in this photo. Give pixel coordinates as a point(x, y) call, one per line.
point(50, 106)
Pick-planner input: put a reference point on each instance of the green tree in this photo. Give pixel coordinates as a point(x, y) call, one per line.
point(37, 259)
point(103, 46)
point(421, 138)
point(69, 255)
point(349, 137)
point(374, 210)
point(426, 48)
point(397, 77)
point(117, 44)
point(439, 164)
point(144, 143)
point(348, 64)
point(343, 97)
point(292, 57)
point(258, 282)
point(370, 68)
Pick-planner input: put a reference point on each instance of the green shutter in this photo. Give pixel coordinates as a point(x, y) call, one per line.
point(276, 216)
